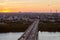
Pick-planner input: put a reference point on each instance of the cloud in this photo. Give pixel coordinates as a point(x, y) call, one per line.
point(32, 1)
point(2, 1)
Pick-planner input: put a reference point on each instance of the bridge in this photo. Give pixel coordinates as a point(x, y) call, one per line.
point(31, 33)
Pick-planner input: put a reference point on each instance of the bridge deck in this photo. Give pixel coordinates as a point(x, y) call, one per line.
point(31, 33)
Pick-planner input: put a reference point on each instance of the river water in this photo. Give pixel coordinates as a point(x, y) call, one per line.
point(41, 36)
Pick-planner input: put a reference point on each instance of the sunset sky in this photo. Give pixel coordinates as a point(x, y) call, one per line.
point(29, 5)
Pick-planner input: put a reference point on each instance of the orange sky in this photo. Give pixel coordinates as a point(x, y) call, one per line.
point(29, 5)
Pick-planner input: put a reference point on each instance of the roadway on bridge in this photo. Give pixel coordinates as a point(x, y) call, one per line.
point(32, 32)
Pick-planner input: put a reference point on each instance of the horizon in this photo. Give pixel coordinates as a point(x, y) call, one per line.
point(31, 12)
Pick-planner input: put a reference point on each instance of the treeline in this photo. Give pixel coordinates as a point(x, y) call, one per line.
point(18, 26)
point(49, 26)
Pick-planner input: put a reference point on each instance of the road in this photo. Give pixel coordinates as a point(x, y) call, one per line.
point(32, 32)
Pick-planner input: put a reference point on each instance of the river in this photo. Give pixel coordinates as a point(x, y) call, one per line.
point(41, 35)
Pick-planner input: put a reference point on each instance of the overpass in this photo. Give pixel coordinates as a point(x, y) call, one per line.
point(31, 33)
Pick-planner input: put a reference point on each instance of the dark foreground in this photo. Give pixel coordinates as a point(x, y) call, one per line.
point(49, 26)
point(18, 26)
point(21, 26)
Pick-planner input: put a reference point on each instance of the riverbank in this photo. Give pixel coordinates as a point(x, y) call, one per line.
point(17, 26)
point(49, 26)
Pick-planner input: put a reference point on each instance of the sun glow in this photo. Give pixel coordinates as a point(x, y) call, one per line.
point(6, 10)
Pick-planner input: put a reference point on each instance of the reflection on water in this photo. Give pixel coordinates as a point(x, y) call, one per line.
point(41, 36)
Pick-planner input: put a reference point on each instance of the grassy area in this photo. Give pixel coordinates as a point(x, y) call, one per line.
point(18, 26)
point(49, 26)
